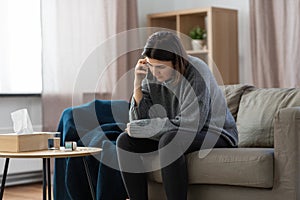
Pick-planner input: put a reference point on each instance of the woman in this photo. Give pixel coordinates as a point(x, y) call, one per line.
point(177, 108)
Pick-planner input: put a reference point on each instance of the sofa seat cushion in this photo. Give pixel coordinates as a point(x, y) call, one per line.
point(250, 167)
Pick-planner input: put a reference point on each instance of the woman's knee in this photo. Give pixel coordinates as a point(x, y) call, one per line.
point(123, 141)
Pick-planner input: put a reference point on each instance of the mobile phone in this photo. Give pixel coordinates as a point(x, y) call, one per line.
point(149, 75)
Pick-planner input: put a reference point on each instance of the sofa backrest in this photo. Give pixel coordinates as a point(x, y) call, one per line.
point(256, 111)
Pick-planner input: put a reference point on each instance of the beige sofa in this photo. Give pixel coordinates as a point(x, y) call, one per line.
point(266, 166)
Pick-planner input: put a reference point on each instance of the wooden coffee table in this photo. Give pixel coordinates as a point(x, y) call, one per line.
point(46, 155)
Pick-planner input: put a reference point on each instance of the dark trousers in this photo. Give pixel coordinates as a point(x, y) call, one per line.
point(174, 167)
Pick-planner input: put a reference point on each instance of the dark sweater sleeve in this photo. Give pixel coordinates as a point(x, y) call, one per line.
point(140, 111)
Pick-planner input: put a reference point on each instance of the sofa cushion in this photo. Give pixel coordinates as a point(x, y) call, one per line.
point(250, 167)
point(257, 111)
point(233, 94)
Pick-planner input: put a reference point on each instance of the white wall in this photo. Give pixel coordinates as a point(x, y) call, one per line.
point(145, 7)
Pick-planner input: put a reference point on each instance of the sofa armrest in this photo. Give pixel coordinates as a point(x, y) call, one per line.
point(287, 151)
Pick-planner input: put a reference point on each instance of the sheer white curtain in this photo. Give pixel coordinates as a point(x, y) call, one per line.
point(275, 42)
point(71, 31)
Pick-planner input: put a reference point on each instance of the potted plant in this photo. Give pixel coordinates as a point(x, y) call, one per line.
point(198, 36)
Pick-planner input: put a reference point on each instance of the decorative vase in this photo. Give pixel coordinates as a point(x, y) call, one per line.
point(198, 45)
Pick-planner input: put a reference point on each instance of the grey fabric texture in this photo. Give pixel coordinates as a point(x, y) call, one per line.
point(233, 95)
point(249, 167)
point(257, 111)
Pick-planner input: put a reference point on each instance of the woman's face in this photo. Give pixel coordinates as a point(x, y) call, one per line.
point(162, 70)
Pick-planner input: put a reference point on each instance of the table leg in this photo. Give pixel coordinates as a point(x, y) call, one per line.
point(4, 177)
point(44, 179)
point(89, 178)
point(49, 179)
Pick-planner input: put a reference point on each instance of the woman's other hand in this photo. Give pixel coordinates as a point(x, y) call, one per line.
point(127, 130)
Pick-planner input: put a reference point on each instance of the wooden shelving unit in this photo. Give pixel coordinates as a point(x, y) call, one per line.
point(221, 54)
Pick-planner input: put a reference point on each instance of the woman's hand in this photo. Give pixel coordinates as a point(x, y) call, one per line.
point(140, 72)
point(127, 130)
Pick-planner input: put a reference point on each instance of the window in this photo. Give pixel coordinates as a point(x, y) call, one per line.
point(20, 47)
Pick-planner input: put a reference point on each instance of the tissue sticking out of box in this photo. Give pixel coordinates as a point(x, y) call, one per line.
point(21, 121)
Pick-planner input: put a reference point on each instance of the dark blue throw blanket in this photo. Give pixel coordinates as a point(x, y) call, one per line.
point(96, 124)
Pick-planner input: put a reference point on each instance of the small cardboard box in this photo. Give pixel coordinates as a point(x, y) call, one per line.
point(12, 142)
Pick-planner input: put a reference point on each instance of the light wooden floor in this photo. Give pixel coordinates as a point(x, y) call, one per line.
point(24, 192)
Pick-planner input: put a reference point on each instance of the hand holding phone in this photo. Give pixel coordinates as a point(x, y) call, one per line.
point(141, 70)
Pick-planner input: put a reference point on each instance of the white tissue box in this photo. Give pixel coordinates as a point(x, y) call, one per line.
point(12, 142)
